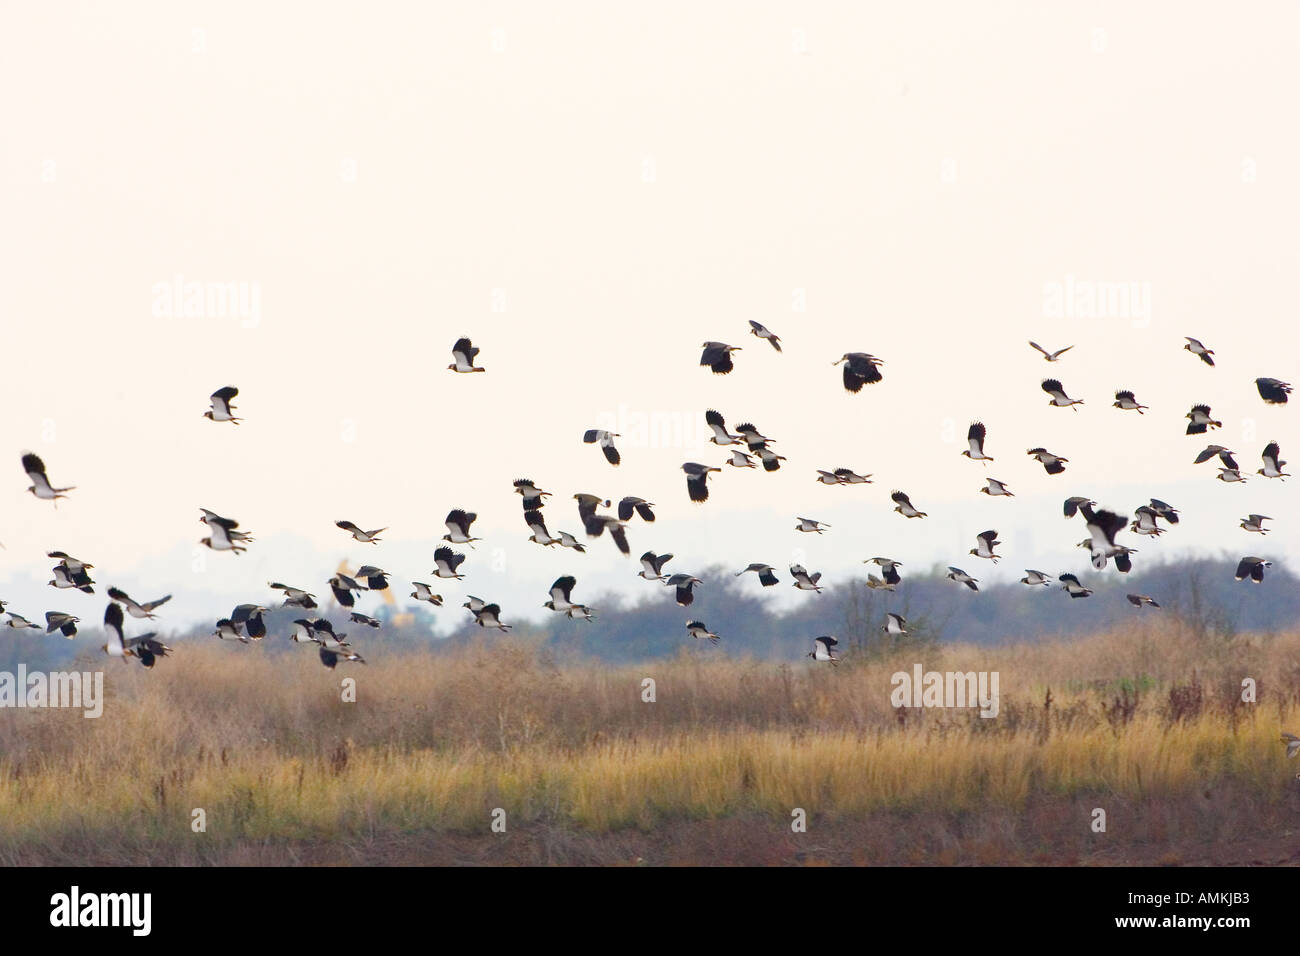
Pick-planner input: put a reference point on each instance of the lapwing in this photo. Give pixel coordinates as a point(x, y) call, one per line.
point(985, 542)
point(1033, 578)
point(1292, 744)
point(1073, 504)
point(975, 438)
point(1230, 475)
point(134, 608)
point(1071, 586)
point(376, 579)
point(860, 368)
point(343, 587)
point(1052, 464)
point(1273, 391)
point(763, 332)
point(754, 440)
point(996, 489)
point(770, 459)
point(532, 495)
point(739, 459)
point(19, 622)
point(330, 658)
point(423, 592)
point(65, 577)
point(642, 507)
point(697, 480)
point(1141, 600)
point(458, 523)
point(1255, 523)
point(294, 597)
point(1196, 348)
point(489, 615)
point(41, 486)
point(365, 620)
point(587, 505)
point(888, 570)
point(1253, 568)
point(682, 585)
point(225, 535)
point(1224, 454)
point(228, 630)
point(766, 576)
point(249, 616)
point(904, 505)
point(1053, 388)
point(560, 592)
point(144, 647)
point(823, 649)
point(463, 354)
point(537, 525)
point(1272, 462)
point(1125, 401)
point(810, 525)
point(894, 624)
point(803, 580)
point(606, 439)
point(718, 425)
point(58, 621)
point(69, 562)
point(1051, 356)
point(596, 525)
point(1102, 527)
point(697, 630)
point(717, 356)
point(1163, 510)
point(961, 577)
point(365, 537)
point(447, 561)
point(222, 410)
point(1199, 420)
point(652, 566)
point(474, 604)
point(1145, 522)
point(323, 632)
point(569, 541)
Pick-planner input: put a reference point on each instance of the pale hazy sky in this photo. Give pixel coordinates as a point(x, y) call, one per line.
point(590, 191)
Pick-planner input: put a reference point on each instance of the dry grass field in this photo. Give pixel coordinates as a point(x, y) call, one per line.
point(1148, 725)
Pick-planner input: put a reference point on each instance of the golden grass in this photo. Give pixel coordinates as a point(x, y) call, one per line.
point(435, 742)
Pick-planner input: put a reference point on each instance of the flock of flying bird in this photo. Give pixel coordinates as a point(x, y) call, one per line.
point(744, 445)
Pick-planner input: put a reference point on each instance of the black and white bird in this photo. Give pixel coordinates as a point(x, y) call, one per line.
point(222, 410)
point(975, 438)
point(697, 480)
point(1272, 462)
point(302, 632)
point(770, 459)
point(1051, 356)
point(1230, 475)
point(1253, 568)
point(423, 592)
point(1125, 401)
point(888, 572)
point(652, 566)
point(1255, 523)
point(1292, 744)
point(766, 576)
point(894, 624)
point(860, 368)
point(41, 486)
point(606, 439)
point(718, 426)
point(961, 577)
point(1199, 420)
point(717, 356)
point(1053, 388)
point(537, 525)
point(69, 562)
point(903, 505)
point(803, 580)
point(294, 597)
point(58, 621)
point(1196, 348)
point(1141, 600)
point(823, 649)
point(331, 657)
point(225, 535)
point(1102, 527)
point(763, 332)
point(458, 523)
point(569, 541)
point(739, 459)
point(697, 630)
point(561, 592)
point(587, 505)
point(447, 561)
point(134, 608)
point(1225, 456)
point(754, 439)
point(144, 647)
point(1052, 464)
point(810, 525)
point(463, 354)
point(365, 537)
point(249, 616)
point(682, 583)
point(842, 476)
point(1145, 522)
point(595, 526)
point(996, 489)
point(376, 579)
point(985, 542)
point(365, 620)
point(489, 615)
point(1075, 502)
point(1033, 578)
point(1273, 391)
point(1163, 510)
point(474, 604)
point(19, 622)
point(642, 507)
point(66, 577)
point(343, 588)
point(322, 632)
point(1071, 586)
point(532, 495)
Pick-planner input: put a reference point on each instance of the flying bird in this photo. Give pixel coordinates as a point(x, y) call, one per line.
point(587, 505)
point(652, 566)
point(489, 615)
point(810, 525)
point(1210, 451)
point(376, 578)
point(225, 535)
point(447, 562)
point(560, 593)
point(859, 369)
point(532, 495)
point(639, 505)
point(1163, 510)
point(904, 505)
point(1053, 388)
point(58, 621)
point(961, 577)
point(894, 624)
point(1033, 577)
point(1199, 420)
point(763, 332)
point(1145, 522)
point(463, 354)
point(822, 650)
point(986, 541)
point(1255, 523)
point(995, 489)
point(1070, 584)
point(739, 459)
point(423, 592)
point(803, 580)
point(1102, 527)
point(356, 617)
point(697, 480)
point(975, 438)
point(222, 410)
point(606, 439)
point(888, 571)
point(343, 587)
point(1125, 401)
point(1272, 390)
point(18, 621)
point(718, 425)
point(66, 577)
point(1253, 568)
point(1292, 744)
point(41, 486)
point(697, 630)
point(143, 647)
point(596, 525)
point(330, 658)
point(537, 525)
point(770, 459)
point(458, 523)
point(1073, 504)
point(1051, 356)
point(365, 537)
point(717, 355)
point(249, 616)
point(683, 583)
point(1272, 462)
point(1141, 600)
point(766, 577)
point(1196, 348)
point(1052, 464)
point(569, 541)
point(754, 440)
point(134, 608)
point(294, 597)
